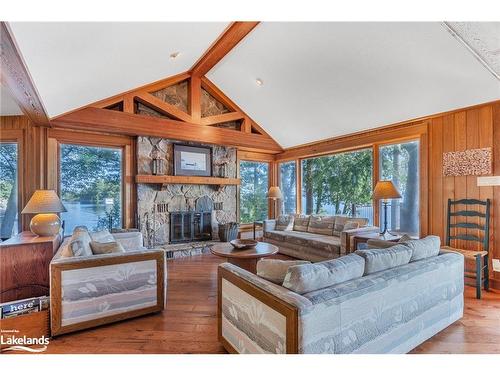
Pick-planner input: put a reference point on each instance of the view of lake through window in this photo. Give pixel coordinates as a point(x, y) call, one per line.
point(91, 186)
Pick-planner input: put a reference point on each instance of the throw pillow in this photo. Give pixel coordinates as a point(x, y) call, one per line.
point(321, 224)
point(339, 225)
point(301, 223)
point(102, 236)
point(106, 247)
point(424, 248)
point(308, 277)
point(274, 270)
point(384, 244)
point(284, 222)
point(377, 260)
point(79, 244)
point(350, 224)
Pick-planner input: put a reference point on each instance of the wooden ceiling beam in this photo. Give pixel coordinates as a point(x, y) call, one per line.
point(219, 119)
point(234, 34)
point(16, 78)
point(163, 107)
point(114, 122)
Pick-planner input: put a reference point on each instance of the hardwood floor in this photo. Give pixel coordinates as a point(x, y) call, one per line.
point(188, 325)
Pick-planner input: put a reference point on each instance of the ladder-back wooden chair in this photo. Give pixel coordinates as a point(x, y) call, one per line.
point(482, 226)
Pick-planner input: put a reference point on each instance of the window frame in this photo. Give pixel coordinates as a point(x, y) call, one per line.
point(126, 144)
point(374, 140)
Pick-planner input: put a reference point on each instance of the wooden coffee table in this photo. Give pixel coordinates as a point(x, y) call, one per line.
point(246, 259)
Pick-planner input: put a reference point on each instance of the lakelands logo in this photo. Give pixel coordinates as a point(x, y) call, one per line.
point(10, 342)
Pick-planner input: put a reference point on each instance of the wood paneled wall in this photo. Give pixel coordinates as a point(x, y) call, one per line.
point(476, 127)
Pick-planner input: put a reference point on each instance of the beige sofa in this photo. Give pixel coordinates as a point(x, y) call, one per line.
point(315, 237)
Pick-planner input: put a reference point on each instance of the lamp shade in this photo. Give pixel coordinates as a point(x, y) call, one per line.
point(274, 193)
point(44, 202)
point(386, 190)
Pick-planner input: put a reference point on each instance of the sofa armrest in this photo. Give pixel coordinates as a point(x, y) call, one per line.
point(347, 238)
point(269, 224)
point(99, 289)
point(255, 315)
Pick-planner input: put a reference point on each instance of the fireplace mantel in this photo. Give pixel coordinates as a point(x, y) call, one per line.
point(190, 180)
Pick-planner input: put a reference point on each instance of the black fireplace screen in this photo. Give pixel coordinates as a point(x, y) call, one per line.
point(190, 226)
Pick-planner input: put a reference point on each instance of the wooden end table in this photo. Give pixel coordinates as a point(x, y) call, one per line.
point(246, 259)
point(364, 237)
point(24, 265)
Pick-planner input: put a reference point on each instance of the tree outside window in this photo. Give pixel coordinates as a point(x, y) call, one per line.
point(91, 186)
point(253, 191)
point(288, 186)
point(400, 164)
point(339, 184)
point(8, 190)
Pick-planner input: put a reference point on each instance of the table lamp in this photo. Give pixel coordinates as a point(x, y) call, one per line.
point(275, 194)
point(385, 190)
point(45, 204)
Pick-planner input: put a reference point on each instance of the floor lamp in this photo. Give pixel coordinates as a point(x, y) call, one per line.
point(275, 194)
point(385, 190)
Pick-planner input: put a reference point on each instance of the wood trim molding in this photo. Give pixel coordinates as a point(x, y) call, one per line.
point(289, 311)
point(233, 34)
point(114, 122)
point(16, 77)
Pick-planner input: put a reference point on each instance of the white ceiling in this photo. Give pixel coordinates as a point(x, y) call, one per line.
point(74, 64)
point(323, 80)
point(8, 107)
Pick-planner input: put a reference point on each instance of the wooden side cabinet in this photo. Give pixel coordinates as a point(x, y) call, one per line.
point(24, 266)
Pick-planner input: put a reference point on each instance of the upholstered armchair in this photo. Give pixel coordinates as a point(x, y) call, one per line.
point(88, 291)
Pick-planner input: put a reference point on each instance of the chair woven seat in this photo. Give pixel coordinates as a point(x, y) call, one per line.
point(470, 254)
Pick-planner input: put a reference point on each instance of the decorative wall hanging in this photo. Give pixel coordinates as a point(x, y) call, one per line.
point(474, 162)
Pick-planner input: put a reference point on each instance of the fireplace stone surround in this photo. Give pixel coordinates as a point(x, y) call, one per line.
point(155, 203)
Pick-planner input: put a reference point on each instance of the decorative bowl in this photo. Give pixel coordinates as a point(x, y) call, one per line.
point(243, 244)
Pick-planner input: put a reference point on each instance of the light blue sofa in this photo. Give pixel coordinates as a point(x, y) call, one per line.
point(391, 311)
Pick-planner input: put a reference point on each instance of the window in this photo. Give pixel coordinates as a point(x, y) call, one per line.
point(288, 186)
point(8, 190)
point(400, 164)
point(91, 186)
point(339, 184)
point(253, 191)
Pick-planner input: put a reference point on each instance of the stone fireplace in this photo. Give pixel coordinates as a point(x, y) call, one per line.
point(173, 213)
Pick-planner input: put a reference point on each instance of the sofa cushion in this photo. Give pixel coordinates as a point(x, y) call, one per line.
point(308, 277)
point(277, 235)
point(384, 244)
point(301, 223)
point(274, 270)
point(321, 224)
point(106, 247)
point(377, 260)
point(79, 244)
point(102, 236)
point(350, 224)
point(284, 222)
point(424, 248)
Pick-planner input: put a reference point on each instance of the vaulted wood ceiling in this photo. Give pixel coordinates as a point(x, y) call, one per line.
point(294, 82)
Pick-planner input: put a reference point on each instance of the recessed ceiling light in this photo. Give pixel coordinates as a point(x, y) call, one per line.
point(174, 55)
point(259, 82)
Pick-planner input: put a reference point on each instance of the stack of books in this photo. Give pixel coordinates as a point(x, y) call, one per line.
point(24, 306)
